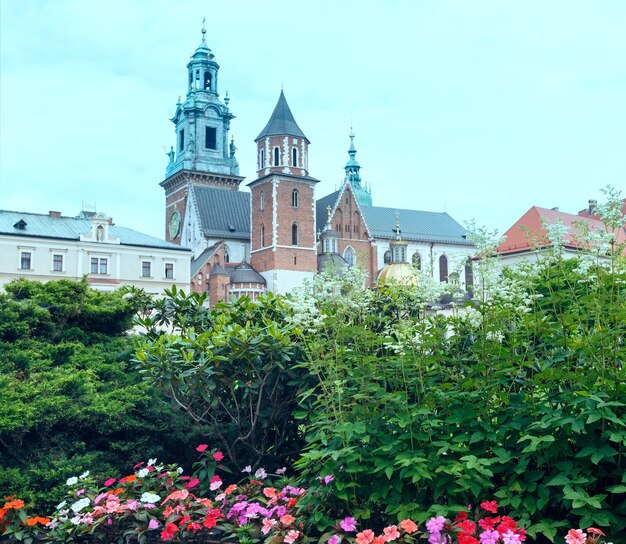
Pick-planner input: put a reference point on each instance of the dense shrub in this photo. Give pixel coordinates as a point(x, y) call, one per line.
point(69, 396)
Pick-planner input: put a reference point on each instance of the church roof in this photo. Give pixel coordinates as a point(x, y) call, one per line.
point(71, 228)
point(281, 122)
point(224, 213)
point(200, 260)
point(417, 225)
point(244, 273)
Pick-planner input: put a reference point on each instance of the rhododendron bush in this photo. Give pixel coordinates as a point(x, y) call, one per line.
point(158, 503)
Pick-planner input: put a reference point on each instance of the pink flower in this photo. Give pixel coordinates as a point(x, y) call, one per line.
point(154, 524)
point(435, 525)
point(287, 519)
point(292, 536)
point(333, 540)
point(109, 482)
point(202, 447)
point(390, 533)
point(408, 526)
point(216, 483)
point(575, 536)
point(348, 524)
point(489, 537)
point(595, 531)
point(218, 456)
point(513, 538)
point(267, 525)
point(192, 483)
point(365, 537)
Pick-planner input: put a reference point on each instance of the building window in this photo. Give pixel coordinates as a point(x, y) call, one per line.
point(207, 81)
point(443, 268)
point(387, 257)
point(25, 260)
point(399, 254)
point(350, 256)
point(169, 271)
point(294, 156)
point(226, 254)
point(57, 263)
point(99, 233)
point(294, 234)
point(262, 159)
point(276, 156)
point(262, 238)
point(294, 198)
point(146, 269)
point(262, 201)
point(181, 140)
point(99, 265)
point(417, 260)
point(210, 138)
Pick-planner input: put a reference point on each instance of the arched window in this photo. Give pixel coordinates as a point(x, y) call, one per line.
point(387, 257)
point(294, 234)
point(262, 237)
point(294, 198)
point(443, 268)
point(262, 158)
point(226, 254)
point(276, 156)
point(100, 233)
point(399, 255)
point(262, 201)
point(207, 81)
point(417, 260)
point(294, 156)
point(350, 256)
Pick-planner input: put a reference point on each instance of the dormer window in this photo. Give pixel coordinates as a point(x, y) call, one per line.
point(20, 225)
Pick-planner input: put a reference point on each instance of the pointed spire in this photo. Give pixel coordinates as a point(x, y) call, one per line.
point(203, 30)
point(398, 226)
point(282, 122)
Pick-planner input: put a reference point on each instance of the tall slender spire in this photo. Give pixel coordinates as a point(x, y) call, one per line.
point(353, 175)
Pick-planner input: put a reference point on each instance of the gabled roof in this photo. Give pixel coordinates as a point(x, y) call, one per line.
point(281, 122)
point(528, 231)
point(223, 213)
point(200, 260)
point(71, 228)
point(416, 225)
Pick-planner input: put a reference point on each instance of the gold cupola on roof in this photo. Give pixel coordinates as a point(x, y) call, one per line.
point(398, 271)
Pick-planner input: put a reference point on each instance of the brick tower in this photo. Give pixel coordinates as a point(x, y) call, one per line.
point(283, 244)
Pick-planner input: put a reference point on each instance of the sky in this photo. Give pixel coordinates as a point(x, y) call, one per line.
point(480, 108)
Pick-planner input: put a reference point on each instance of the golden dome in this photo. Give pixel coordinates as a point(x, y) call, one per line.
point(399, 273)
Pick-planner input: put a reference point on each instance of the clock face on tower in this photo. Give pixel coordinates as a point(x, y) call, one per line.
point(174, 224)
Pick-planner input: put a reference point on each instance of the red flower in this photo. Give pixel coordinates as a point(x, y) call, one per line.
point(488, 524)
point(218, 456)
point(109, 482)
point(169, 531)
point(467, 526)
point(490, 506)
point(461, 516)
point(595, 531)
point(193, 526)
point(466, 539)
point(202, 447)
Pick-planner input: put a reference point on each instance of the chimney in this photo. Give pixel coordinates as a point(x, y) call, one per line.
point(54, 214)
point(555, 209)
point(593, 204)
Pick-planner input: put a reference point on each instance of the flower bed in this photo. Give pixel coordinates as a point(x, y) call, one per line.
point(159, 503)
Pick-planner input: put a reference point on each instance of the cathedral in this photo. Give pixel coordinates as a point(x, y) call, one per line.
point(280, 233)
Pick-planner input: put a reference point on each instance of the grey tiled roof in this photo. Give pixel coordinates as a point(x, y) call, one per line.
point(415, 225)
point(281, 122)
point(200, 260)
point(224, 213)
point(244, 273)
point(70, 228)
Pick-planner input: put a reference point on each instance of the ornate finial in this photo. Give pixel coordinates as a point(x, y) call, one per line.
point(178, 99)
point(281, 84)
point(397, 225)
point(328, 214)
point(226, 99)
point(203, 29)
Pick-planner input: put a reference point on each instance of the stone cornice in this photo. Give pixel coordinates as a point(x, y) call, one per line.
point(194, 177)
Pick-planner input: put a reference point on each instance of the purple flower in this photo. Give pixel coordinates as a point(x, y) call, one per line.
point(348, 524)
point(154, 524)
point(489, 537)
point(333, 540)
point(435, 525)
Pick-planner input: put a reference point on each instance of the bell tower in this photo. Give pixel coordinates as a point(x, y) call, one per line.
point(202, 154)
point(283, 244)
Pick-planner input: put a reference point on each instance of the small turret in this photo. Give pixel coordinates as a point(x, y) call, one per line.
point(399, 270)
point(353, 175)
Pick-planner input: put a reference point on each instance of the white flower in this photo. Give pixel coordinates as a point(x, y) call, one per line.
point(150, 497)
point(151, 462)
point(61, 505)
point(72, 481)
point(260, 474)
point(80, 504)
point(75, 520)
point(247, 469)
point(179, 470)
point(84, 475)
point(143, 473)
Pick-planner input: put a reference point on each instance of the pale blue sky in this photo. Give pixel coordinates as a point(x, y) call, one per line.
point(482, 108)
